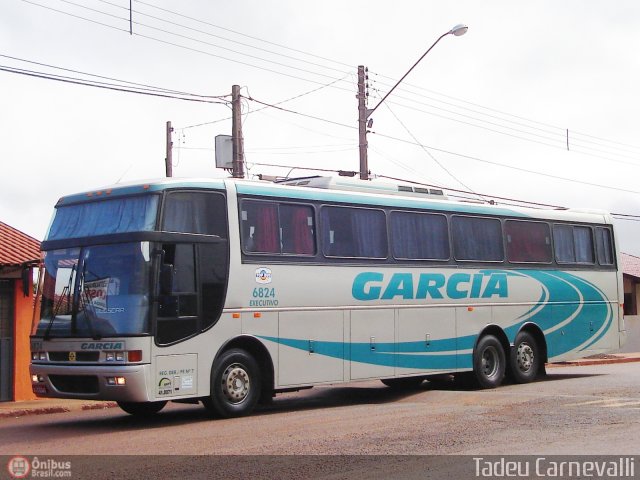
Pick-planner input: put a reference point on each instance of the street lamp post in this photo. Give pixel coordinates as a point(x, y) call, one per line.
point(364, 113)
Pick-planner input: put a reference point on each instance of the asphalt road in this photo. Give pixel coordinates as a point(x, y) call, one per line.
point(587, 410)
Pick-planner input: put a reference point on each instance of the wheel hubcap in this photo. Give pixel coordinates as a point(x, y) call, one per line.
point(525, 357)
point(235, 383)
point(489, 362)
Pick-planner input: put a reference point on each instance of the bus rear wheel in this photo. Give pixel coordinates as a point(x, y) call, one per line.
point(525, 358)
point(235, 385)
point(142, 409)
point(489, 362)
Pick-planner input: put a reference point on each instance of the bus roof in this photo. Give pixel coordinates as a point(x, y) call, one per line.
point(340, 190)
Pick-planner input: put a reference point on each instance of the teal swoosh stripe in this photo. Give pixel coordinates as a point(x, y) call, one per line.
point(560, 299)
point(384, 354)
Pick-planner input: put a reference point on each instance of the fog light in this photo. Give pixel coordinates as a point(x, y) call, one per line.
point(34, 378)
point(116, 381)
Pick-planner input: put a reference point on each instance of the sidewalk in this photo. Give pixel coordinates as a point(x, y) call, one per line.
point(49, 405)
point(61, 405)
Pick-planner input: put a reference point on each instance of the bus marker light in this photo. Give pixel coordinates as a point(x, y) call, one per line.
point(470, 309)
point(235, 315)
point(135, 355)
point(257, 315)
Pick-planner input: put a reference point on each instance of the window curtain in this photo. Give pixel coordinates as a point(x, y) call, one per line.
point(118, 215)
point(369, 233)
point(419, 236)
point(266, 235)
point(302, 233)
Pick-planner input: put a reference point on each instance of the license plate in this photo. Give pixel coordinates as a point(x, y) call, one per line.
point(40, 389)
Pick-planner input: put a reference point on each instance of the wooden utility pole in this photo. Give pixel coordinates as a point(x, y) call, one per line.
point(362, 124)
point(168, 161)
point(236, 134)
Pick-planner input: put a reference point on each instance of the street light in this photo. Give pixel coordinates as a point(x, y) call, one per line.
point(364, 113)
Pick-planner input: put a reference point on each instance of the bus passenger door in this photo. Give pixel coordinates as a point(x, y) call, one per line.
point(372, 347)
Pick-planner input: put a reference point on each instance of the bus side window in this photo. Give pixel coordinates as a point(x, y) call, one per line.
point(178, 300)
point(573, 244)
point(605, 246)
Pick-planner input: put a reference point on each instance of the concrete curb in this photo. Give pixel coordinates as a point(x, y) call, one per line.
point(594, 361)
point(46, 409)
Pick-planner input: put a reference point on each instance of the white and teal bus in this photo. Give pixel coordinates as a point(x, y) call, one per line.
point(227, 292)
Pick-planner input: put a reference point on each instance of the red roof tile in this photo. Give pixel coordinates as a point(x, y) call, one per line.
point(630, 264)
point(16, 247)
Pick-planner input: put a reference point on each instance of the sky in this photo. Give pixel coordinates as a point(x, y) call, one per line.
point(536, 102)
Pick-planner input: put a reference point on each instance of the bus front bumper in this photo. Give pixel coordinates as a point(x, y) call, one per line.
point(126, 383)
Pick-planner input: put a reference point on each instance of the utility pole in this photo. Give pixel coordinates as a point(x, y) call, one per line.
point(236, 133)
point(168, 161)
point(362, 123)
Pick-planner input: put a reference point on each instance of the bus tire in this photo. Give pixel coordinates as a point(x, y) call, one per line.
point(142, 409)
point(404, 383)
point(235, 385)
point(489, 362)
point(525, 358)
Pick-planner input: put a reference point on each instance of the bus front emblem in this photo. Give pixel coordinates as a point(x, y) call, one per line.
point(72, 356)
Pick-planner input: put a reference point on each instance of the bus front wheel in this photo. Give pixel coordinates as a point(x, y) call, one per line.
point(235, 385)
point(525, 358)
point(142, 409)
point(489, 362)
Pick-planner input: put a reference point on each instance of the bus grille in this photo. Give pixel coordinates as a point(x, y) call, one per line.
point(79, 356)
point(75, 383)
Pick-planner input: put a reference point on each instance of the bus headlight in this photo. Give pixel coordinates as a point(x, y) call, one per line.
point(114, 356)
point(38, 356)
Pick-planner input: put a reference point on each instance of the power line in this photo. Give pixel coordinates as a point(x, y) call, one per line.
point(141, 86)
point(295, 97)
point(196, 50)
point(306, 115)
point(557, 130)
point(221, 37)
point(88, 83)
point(426, 150)
point(331, 68)
point(244, 35)
point(470, 157)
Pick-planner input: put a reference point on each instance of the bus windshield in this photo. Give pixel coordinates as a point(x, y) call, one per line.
point(96, 291)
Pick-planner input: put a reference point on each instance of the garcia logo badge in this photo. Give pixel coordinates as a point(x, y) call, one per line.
point(263, 275)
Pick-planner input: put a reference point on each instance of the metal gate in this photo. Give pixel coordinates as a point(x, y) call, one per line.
point(6, 340)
